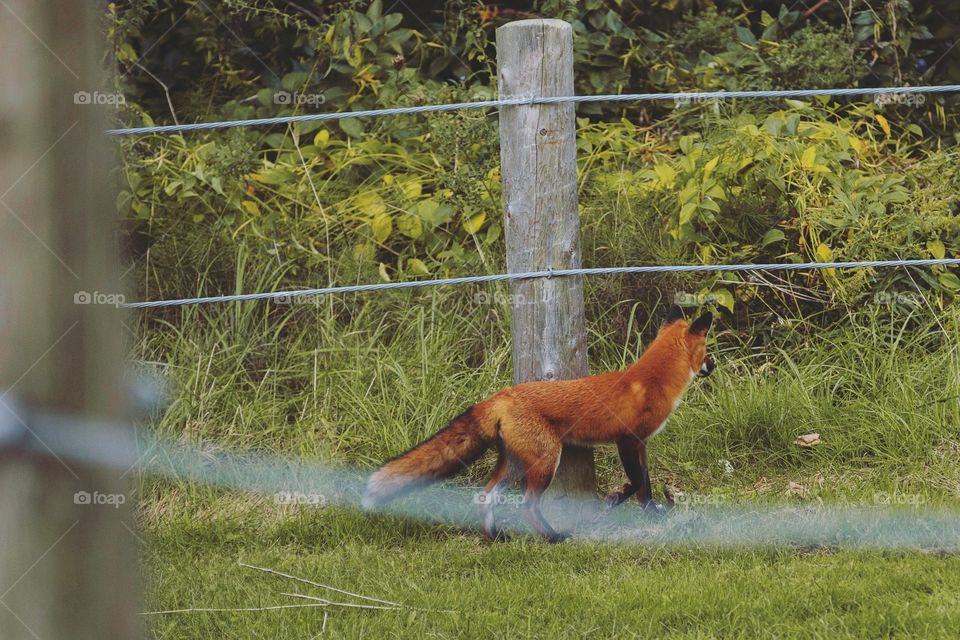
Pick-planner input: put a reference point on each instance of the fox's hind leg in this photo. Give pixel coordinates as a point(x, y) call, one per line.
point(499, 480)
point(539, 473)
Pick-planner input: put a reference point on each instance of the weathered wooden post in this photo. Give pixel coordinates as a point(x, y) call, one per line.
point(538, 159)
point(67, 560)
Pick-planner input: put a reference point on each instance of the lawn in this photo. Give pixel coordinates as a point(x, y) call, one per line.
point(880, 390)
point(457, 586)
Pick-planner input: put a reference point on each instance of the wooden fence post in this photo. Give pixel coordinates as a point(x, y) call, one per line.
point(538, 163)
point(67, 550)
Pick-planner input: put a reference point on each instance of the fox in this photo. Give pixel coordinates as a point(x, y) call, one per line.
point(529, 423)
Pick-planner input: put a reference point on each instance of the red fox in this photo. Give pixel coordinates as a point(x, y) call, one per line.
point(528, 424)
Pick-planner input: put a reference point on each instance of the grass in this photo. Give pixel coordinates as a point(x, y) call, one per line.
point(527, 588)
point(358, 379)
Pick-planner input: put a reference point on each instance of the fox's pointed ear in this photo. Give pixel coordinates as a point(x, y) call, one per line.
point(675, 313)
point(702, 324)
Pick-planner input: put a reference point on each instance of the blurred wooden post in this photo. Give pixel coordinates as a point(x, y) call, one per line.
point(67, 567)
point(538, 159)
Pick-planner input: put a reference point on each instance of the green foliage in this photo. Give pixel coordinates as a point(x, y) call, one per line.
point(813, 58)
point(797, 185)
point(412, 196)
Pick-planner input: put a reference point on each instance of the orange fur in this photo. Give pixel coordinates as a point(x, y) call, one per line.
point(530, 422)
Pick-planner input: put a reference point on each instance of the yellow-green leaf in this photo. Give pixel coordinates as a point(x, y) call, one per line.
point(473, 224)
point(809, 157)
point(251, 207)
point(949, 281)
point(274, 175)
point(381, 225)
point(666, 174)
point(383, 272)
point(410, 226)
point(371, 204)
point(709, 167)
point(322, 138)
point(364, 252)
point(415, 265)
point(824, 254)
point(724, 298)
point(686, 213)
point(412, 189)
point(883, 124)
point(937, 249)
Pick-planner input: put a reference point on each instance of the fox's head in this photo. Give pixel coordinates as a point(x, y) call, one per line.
point(694, 339)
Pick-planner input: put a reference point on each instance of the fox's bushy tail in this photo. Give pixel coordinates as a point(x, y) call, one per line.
point(442, 455)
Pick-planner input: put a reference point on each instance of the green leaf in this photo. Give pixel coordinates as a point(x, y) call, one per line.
point(724, 298)
point(746, 36)
point(473, 224)
point(710, 205)
point(364, 252)
point(416, 266)
point(771, 236)
point(937, 249)
point(352, 127)
point(709, 167)
point(410, 226)
point(273, 176)
point(949, 281)
point(666, 174)
point(686, 143)
point(251, 207)
point(381, 226)
point(371, 204)
point(433, 212)
point(294, 80)
point(412, 188)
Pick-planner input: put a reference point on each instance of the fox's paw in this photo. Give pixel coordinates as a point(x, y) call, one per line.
point(496, 535)
point(618, 497)
point(557, 538)
point(654, 509)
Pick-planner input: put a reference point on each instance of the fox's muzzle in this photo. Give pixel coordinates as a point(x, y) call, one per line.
point(707, 367)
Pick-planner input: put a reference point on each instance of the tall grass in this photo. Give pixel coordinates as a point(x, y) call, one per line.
point(358, 378)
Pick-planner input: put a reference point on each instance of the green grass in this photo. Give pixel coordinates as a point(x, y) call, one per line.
point(356, 380)
point(526, 588)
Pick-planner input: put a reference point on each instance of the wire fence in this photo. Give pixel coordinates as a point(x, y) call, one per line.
point(285, 296)
point(836, 525)
point(537, 100)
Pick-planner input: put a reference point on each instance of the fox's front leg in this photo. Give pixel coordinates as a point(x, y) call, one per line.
point(633, 455)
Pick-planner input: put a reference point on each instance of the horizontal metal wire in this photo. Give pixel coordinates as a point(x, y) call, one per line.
point(537, 100)
point(286, 296)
